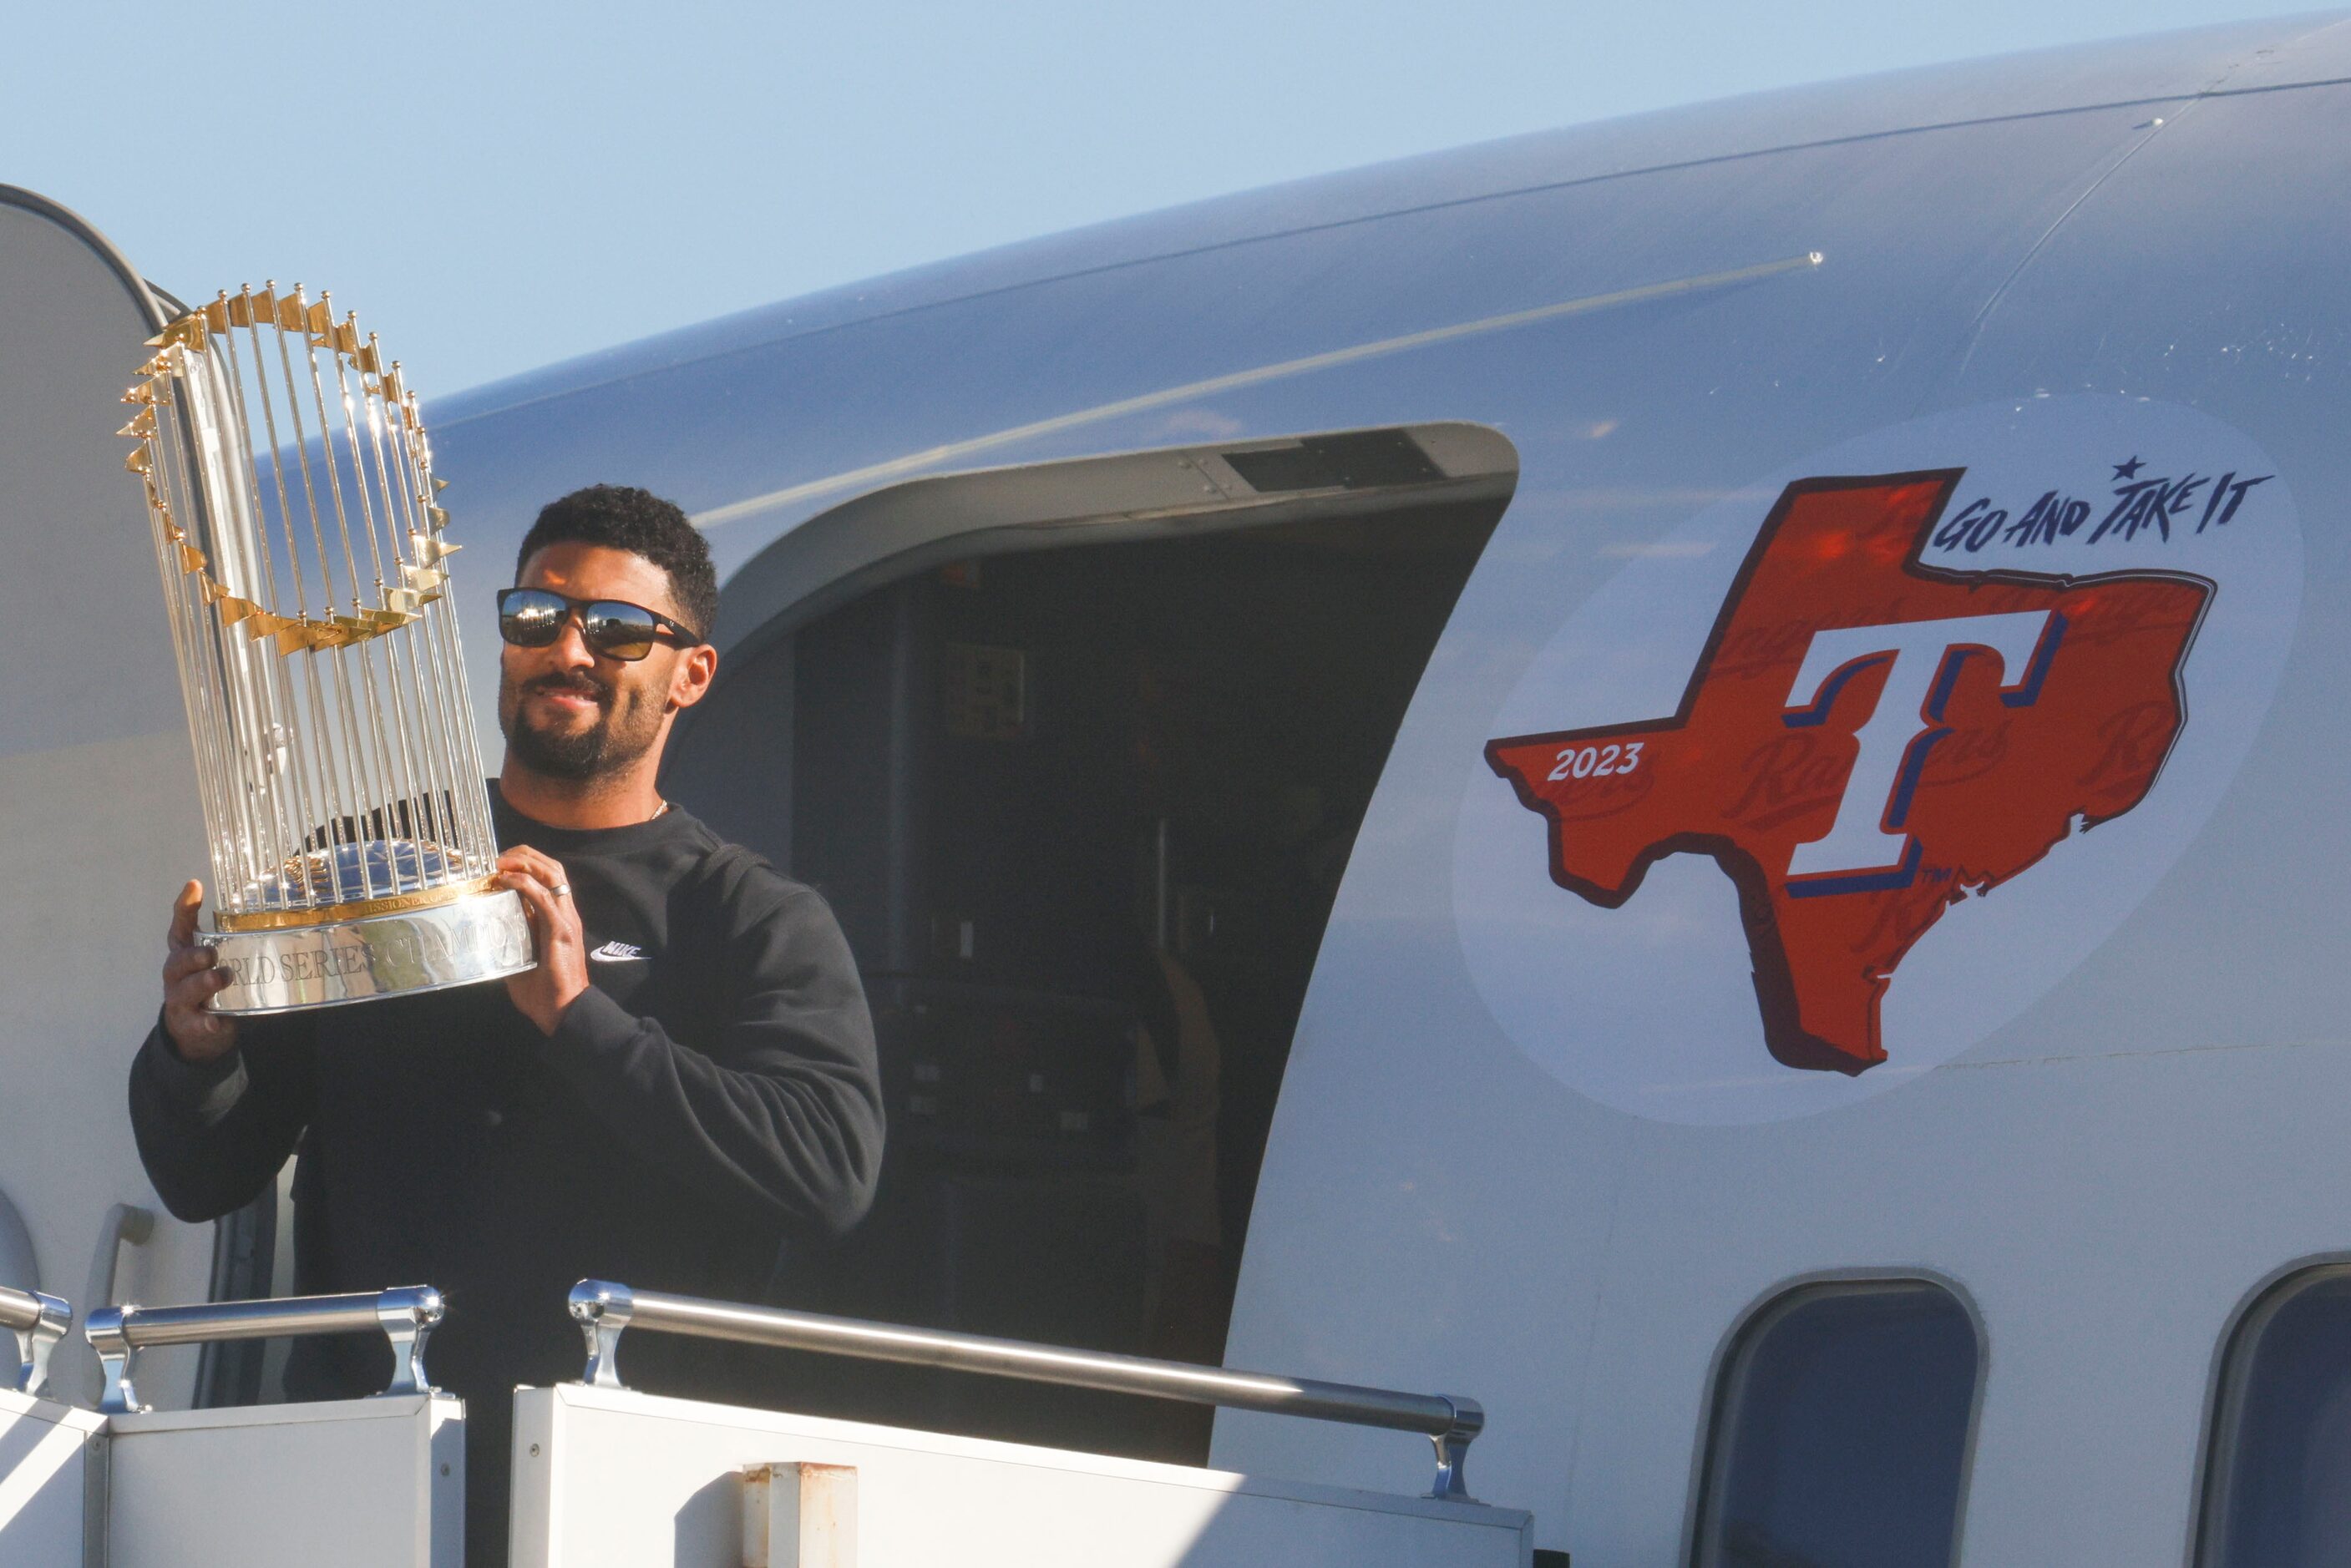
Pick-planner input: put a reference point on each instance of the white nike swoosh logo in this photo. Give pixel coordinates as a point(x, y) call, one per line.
point(616, 952)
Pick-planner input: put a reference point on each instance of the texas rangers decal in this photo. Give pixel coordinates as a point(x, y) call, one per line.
point(1905, 736)
point(1922, 690)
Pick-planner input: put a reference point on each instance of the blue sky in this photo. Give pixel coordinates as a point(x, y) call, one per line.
point(497, 186)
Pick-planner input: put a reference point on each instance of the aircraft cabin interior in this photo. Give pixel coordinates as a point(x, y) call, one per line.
point(1081, 808)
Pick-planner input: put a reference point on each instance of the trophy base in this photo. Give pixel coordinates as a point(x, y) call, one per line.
point(479, 937)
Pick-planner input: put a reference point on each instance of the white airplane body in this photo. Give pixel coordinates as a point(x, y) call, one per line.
point(1861, 834)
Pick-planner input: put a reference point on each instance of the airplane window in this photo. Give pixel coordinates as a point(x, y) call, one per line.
point(1841, 1431)
point(2282, 1454)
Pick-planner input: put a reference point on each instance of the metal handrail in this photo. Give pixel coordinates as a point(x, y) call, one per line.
point(38, 1322)
point(604, 1309)
point(405, 1314)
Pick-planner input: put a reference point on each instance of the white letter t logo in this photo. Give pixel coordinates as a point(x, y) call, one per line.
point(1863, 847)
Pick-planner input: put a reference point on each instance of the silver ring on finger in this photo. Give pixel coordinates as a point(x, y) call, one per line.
point(563, 890)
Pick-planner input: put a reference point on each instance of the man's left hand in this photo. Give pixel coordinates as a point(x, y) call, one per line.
point(541, 995)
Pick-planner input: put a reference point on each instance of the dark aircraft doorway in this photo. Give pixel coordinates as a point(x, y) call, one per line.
point(1078, 754)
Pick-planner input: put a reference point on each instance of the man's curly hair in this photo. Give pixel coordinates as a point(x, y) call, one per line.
point(622, 517)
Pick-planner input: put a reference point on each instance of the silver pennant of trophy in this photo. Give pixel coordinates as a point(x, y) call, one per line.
point(305, 568)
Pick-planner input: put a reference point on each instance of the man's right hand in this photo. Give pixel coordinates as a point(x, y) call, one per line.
point(191, 977)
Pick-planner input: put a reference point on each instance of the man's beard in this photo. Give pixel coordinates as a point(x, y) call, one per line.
point(626, 726)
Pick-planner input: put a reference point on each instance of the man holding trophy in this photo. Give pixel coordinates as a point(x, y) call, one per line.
point(682, 1085)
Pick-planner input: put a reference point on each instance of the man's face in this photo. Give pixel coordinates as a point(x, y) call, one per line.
point(570, 713)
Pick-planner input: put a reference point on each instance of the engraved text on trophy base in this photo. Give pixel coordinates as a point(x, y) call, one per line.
point(460, 943)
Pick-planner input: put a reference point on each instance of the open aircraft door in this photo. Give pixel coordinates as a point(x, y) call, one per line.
point(1044, 736)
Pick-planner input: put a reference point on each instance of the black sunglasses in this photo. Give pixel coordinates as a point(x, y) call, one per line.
point(534, 617)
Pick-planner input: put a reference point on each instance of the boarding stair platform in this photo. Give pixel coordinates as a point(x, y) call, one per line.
point(606, 1474)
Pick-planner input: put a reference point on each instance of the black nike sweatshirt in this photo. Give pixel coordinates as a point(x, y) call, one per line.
point(713, 1095)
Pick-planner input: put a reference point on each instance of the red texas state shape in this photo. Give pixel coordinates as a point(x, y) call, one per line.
point(1867, 740)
